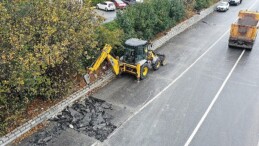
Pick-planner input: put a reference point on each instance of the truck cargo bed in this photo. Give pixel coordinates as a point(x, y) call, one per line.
point(243, 33)
point(247, 21)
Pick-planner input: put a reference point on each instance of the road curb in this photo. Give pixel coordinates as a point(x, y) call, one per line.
point(54, 110)
point(182, 27)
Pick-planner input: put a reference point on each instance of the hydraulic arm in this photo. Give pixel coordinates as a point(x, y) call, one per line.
point(136, 60)
point(104, 55)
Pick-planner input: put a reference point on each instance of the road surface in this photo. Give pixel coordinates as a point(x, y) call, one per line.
point(107, 15)
point(207, 94)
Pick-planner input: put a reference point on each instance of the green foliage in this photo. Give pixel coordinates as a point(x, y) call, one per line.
point(42, 47)
point(201, 4)
point(147, 19)
point(95, 2)
point(109, 33)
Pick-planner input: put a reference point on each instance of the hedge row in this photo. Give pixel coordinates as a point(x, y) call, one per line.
point(145, 20)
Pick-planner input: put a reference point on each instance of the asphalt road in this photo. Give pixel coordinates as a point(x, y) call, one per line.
point(108, 16)
point(198, 99)
point(207, 94)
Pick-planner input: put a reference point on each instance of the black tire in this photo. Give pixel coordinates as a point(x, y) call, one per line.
point(106, 9)
point(163, 62)
point(157, 64)
point(162, 59)
point(249, 49)
point(144, 71)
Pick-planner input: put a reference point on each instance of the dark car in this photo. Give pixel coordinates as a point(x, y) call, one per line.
point(119, 4)
point(129, 2)
point(235, 2)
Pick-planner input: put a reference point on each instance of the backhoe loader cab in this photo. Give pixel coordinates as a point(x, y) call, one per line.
point(137, 60)
point(135, 50)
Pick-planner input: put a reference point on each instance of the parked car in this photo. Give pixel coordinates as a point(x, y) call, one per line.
point(119, 4)
point(129, 2)
point(235, 2)
point(223, 6)
point(107, 6)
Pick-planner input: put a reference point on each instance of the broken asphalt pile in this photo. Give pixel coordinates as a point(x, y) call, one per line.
point(90, 118)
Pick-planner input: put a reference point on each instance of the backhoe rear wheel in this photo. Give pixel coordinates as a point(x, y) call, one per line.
point(144, 71)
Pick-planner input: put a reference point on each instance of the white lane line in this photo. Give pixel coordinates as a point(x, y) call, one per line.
point(213, 101)
point(215, 98)
point(176, 79)
point(155, 97)
point(258, 143)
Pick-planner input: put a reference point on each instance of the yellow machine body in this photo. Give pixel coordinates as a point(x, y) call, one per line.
point(140, 70)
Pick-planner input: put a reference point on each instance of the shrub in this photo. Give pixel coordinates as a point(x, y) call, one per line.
point(95, 2)
point(147, 19)
point(201, 4)
point(41, 51)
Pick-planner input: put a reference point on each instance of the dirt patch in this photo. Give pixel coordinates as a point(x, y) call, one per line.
point(89, 117)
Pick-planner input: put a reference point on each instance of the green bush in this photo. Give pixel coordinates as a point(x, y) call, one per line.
point(42, 49)
point(201, 4)
point(95, 2)
point(147, 19)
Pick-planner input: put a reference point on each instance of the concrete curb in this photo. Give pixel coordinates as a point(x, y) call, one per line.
point(51, 112)
point(183, 26)
point(102, 82)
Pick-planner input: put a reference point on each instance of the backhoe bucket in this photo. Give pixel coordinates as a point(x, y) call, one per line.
point(87, 78)
point(90, 78)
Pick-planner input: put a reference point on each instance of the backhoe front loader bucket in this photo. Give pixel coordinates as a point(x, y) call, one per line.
point(92, 76)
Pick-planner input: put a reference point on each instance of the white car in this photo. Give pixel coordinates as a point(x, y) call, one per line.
point(223, 6)
point(107, 6)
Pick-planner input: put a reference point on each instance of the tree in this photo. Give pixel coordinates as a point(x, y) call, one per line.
point(147, 19)
point(42, 47)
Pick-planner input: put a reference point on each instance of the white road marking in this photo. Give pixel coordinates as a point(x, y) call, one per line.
point(213, 101)
point(176, 79)
point(215, 98)
point(258, 143)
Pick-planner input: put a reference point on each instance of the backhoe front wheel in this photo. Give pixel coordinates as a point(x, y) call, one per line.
point(144, 71)
point(157, 64)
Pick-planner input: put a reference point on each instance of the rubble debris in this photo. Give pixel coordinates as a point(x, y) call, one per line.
point(91, 118)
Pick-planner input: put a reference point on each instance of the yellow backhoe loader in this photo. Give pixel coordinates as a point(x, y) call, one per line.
point(137, 60)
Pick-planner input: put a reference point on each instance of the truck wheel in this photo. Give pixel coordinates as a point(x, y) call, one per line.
point(249, 49)
point(144, 71)
point(157, 64)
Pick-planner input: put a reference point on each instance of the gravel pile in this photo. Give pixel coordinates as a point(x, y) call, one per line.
point(90, 118)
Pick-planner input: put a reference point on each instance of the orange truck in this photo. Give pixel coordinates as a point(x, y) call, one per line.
point(243, 32)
